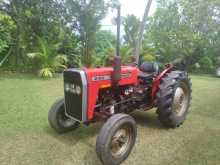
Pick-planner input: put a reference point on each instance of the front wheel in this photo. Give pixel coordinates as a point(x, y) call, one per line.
point(173, 98)
point(116, 139)
point(58, 119)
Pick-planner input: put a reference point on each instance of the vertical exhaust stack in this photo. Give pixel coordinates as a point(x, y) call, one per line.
point(116, 75)
point(118, 31)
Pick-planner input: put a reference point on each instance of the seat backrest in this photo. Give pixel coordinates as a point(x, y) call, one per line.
point(149, 67)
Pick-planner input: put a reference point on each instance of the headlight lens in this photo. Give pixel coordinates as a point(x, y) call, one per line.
point(74, 89)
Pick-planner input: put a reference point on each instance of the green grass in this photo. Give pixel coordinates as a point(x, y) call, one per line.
point(26, 138)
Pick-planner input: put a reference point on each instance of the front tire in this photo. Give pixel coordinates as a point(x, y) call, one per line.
point(116, 139)
point(173, 98)
point(58, 119)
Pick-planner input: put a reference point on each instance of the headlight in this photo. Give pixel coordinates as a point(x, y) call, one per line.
point(67, 87)
point(72, 88)
point(78, 90)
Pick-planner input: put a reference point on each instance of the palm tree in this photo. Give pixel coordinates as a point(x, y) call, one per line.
point(47, 60)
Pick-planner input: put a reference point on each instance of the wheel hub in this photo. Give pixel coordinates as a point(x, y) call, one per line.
point(120, 141)
point(181, 100)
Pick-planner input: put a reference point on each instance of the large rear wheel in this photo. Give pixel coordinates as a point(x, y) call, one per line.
point(58, 119)
point(116, 139)
point(173, 98)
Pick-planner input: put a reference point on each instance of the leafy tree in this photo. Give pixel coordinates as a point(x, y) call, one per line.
point(203, 18)
point(33, 19)
point(71, 47)
point(85, 16)
point(105, 47)
point(131, 27)
point(206, 65)
point(126, 54)
point(104, 40)
point(46, 60)
point(148, 57)
point(184, 29)
point(6, 27)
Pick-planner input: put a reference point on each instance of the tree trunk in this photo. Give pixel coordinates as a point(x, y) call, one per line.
point(6, 57)
point(141, 32)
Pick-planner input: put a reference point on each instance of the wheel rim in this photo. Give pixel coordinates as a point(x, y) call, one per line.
point(121, 141)
point(63, 119)
point(181, 99)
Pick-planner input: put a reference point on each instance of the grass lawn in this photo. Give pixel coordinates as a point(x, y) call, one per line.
point(27, 139)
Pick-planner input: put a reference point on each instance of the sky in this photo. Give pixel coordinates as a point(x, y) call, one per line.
point(135, 7)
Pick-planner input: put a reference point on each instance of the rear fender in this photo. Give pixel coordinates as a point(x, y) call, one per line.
point(157, 81)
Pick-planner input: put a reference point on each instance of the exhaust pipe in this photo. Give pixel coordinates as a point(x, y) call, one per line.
point(116, 75)
point(118, 31)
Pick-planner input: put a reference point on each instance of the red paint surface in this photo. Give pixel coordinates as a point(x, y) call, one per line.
point(94, 86)
point(157, 81)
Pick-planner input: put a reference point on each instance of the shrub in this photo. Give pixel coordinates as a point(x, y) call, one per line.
point(46, 73)
point(148, 57)
point(206, 65)
point(47, 60)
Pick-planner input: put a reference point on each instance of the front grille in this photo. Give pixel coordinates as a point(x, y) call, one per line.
point(75, 91)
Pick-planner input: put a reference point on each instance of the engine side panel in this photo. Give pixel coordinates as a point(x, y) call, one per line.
point(100, 78)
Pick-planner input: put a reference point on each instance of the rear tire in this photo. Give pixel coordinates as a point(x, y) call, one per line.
point(116, 139)
point(58, 119)
point(174, 98)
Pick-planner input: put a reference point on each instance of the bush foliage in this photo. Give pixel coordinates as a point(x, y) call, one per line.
point(34, 34)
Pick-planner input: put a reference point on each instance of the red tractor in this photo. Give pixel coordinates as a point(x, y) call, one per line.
point(110, 94)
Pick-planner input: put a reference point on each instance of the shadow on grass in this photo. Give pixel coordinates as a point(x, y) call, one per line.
point(79, 135)
point(146, 119)
point(85, 134)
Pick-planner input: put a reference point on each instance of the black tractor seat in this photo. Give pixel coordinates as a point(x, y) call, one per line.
point(149, 67)
point(148, 70)
point(146, 75)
